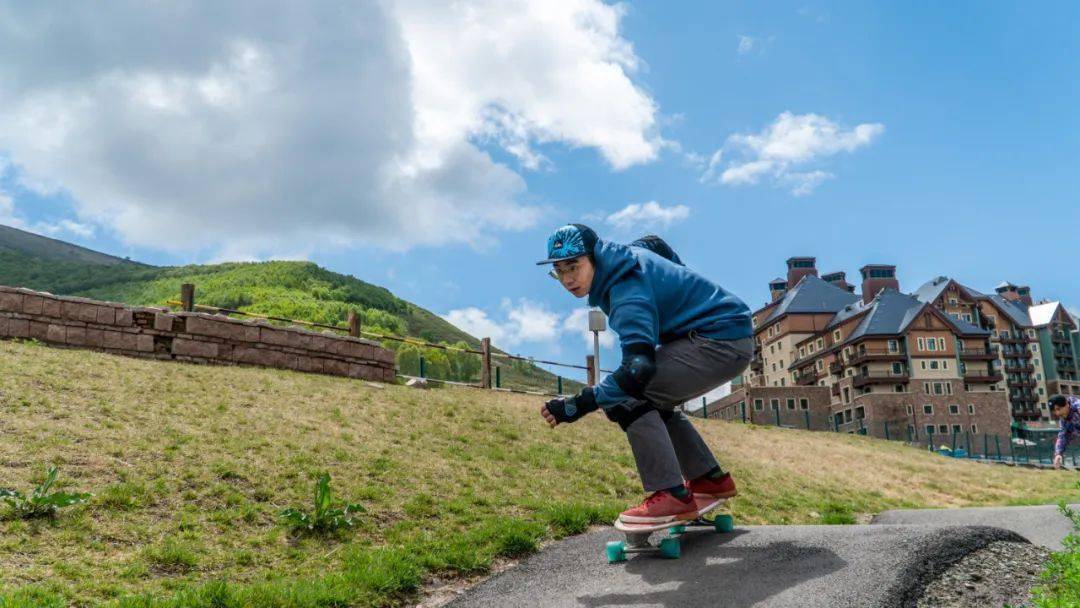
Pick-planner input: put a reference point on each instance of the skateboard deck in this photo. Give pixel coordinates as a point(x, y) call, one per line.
point(637, 535)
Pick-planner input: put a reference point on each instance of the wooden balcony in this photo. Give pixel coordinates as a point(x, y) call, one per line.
point(876, 355)
point(809, 378)
point(1013, 339)
point(982, 376)
point(979, 354)
point(862, 380)
point(1019, 369)
point(836, 367)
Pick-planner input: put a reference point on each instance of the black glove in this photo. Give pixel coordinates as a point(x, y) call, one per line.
point(569, 409)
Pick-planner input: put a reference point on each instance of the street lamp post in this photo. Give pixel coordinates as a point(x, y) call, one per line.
point(597, 324)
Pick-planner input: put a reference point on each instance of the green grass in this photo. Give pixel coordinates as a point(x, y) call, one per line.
point(1061, 588)
point(191, 465)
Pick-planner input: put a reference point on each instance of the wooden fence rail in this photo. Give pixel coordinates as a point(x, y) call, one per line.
point(354, 329)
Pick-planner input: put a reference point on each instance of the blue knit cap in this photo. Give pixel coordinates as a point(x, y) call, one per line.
point(569, 242)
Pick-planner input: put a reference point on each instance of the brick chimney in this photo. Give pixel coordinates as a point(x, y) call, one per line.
point(876, 277)
point(838, 279)
point(1008, 291)
point(1025, 295)
point(797, 268)
point(777, 288)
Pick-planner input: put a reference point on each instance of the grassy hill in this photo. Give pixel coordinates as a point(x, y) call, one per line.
point(292, 290)
point(190, 466)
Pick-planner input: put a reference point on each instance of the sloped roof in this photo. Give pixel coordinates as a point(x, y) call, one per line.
point(931, 290)
point(1016, 311)
point(892, 312)
point(811, 295)
point(1042, 314)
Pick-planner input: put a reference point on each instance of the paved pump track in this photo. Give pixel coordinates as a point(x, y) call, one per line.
point(881, 564)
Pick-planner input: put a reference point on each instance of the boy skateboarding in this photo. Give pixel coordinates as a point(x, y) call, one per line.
point(681, 335)
point(1067, 410)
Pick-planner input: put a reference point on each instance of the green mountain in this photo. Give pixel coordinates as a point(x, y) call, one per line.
point(292, 290)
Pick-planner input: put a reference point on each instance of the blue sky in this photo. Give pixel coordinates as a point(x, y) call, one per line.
point(942, 139)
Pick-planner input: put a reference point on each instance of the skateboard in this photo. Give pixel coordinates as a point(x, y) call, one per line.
point(637, 535)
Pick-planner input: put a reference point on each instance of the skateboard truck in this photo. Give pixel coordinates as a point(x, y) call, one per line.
point(637, 535)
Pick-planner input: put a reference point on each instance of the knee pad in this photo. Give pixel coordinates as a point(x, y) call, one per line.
point(626, 416)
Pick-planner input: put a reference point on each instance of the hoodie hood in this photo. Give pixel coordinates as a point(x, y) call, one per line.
point(612, 262)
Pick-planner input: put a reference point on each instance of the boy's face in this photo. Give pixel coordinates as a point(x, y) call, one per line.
point(576, 275)
point(1061, 412)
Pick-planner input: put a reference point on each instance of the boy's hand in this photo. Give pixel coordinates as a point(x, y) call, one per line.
point(1058, 461)
point(552, 422)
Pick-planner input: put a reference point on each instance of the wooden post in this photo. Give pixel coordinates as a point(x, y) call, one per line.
point(590, 363)
point(485, 368)
point(498, 377)
point(704, 407)
point(187, 296)
point(354, 324)
point(558, 385)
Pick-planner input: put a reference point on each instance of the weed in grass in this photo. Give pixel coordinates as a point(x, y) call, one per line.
point(1061, 579)
point(41, 502)
point(327, 515)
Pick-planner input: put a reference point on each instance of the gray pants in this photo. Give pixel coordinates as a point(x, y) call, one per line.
point(666, 446)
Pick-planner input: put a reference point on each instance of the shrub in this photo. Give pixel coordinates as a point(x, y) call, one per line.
point(41, 502)
point(326, 516)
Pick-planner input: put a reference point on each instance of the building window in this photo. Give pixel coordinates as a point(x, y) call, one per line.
point(820, 365)
point(1035, 349)
point(802, 352)
point(927, 408)
point(967, 317)
point(804, 404)
point(941, 343)
point(1041, 391)
point(954, 409)
point(910, 410)
point(938, 390)
point(956, 428)
point(943, 429)
point(971, 408)
point(847, 415)
point(790, 404)
point(926, 387)
point(860, 413)
point(898, 388)
point(894, 346)
point(922, 364)
point(821, 343)
point(948, 388)
point(836, 336)
point(929, 429)
point(945, 364)
point(974, 429)
point(758, 405)
point(783, 381)
point(775, 403)
point(922, 344)
point(933, 364)
point(897, 368)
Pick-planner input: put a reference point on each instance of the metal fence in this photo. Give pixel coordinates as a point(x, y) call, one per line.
point(1025, 446)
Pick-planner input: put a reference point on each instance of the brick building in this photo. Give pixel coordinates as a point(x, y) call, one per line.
point(887, 360)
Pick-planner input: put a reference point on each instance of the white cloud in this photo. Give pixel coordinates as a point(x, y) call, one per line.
point(642, 215)
point(526, 322)
point(746, 44)
point(783, 148)
point(313, 125)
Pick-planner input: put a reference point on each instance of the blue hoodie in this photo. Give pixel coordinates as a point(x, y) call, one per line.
point(650, 300)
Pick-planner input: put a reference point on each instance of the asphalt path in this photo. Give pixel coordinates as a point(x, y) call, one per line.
point(774, 566)
point(1041, 525)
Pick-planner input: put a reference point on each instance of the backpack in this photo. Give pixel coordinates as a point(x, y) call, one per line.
point(657, 245)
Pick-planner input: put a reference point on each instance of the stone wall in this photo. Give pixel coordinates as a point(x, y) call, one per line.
point(183, 336)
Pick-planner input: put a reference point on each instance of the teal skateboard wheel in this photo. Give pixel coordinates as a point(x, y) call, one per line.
point(616, 551)
point(724, 523)
point(670, 548)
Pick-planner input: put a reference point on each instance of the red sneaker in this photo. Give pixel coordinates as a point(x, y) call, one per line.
point(660, 508)
point(721, 487)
